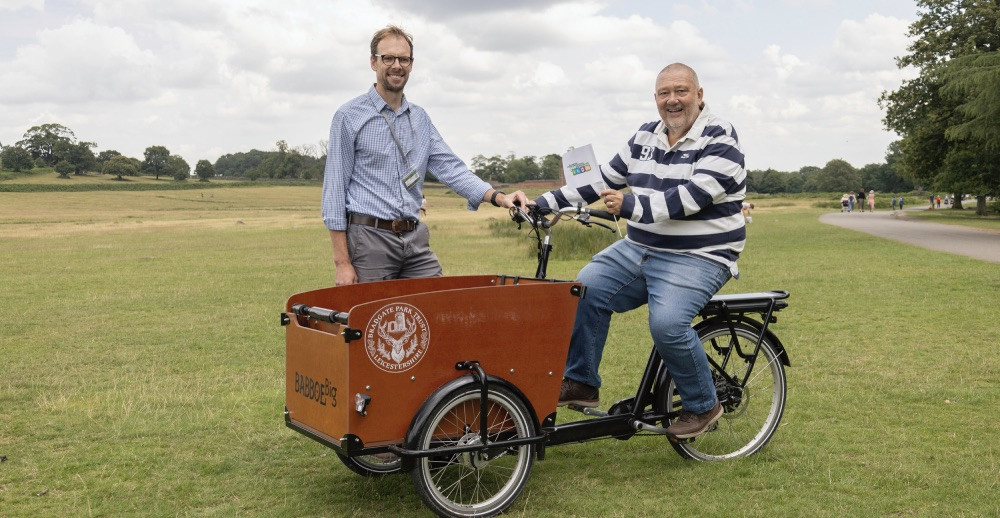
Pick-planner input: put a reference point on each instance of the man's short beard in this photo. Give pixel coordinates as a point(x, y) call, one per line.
point(387, 86)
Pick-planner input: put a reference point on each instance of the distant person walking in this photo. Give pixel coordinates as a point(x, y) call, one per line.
point(851, 200)
point(901, 203)
point(932, 202)
point(871, 201)
point(938, 200)
point(893, 203)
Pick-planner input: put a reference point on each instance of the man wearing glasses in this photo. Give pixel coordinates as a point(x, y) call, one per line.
point(381, 147)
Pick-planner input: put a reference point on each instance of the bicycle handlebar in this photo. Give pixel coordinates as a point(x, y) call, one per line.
point(535, 215)
point(317, 313)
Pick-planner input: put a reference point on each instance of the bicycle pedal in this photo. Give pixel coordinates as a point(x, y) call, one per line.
point(586, 410)
point(710, 429)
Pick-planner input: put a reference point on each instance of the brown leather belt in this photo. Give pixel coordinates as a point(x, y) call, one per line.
point(398, 226)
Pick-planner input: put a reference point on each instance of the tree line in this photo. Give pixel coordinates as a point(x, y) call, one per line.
point(56, 146)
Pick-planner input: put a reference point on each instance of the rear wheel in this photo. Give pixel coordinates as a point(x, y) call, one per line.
point(476, 483)
point(753, 408)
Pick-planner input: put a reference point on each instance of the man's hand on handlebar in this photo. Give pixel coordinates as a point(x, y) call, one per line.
point(509, 200)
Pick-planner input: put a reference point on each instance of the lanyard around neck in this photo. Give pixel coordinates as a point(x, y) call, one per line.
point(395, 139)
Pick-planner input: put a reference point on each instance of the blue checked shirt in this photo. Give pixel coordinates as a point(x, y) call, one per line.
point(365, 170)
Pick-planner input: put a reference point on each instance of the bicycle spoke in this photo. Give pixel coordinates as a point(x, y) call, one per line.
point(753, 407)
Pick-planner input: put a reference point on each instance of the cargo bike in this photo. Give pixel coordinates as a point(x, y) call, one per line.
point(455, 380)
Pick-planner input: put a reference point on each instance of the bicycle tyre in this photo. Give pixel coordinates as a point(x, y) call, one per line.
point(465, 484)
point(752, 412)
point(372, 465)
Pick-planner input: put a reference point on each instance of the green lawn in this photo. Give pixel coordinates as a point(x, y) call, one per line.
point(143, 368)
point(965, 217)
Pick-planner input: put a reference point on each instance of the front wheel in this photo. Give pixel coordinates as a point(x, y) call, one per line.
point(376, 465)
point(474, 484)
point(753, 405)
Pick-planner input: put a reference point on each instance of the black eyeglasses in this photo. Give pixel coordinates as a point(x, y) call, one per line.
point(404, 61)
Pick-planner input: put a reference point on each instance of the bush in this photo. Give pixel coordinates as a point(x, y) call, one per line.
point(64, 168)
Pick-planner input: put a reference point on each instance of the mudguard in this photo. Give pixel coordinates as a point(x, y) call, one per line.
point(423, 413)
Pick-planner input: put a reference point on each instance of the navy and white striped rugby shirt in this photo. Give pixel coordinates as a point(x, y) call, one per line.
point(685, 198)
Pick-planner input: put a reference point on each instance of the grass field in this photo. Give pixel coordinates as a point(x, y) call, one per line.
point(966, 217)
point(143, 368)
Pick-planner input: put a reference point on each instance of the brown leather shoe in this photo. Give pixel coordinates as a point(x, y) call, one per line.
point(690, 425)
point(576, 393)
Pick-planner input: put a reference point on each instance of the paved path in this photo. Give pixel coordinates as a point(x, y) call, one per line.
point(978, 243)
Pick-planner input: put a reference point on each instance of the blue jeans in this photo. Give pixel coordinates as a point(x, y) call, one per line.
point(625, 276)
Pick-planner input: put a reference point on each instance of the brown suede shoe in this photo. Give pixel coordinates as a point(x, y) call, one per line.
point(576, 393)
point(690, 425)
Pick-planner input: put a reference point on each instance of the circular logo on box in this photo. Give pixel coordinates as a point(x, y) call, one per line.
point(397, 337)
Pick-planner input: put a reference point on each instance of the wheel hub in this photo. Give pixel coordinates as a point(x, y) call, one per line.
point(473, 459)
point(734, 399)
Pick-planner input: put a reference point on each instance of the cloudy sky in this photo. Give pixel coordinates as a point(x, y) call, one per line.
point(799, 79)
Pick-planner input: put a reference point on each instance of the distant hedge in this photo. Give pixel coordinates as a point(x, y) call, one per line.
point(125, 186)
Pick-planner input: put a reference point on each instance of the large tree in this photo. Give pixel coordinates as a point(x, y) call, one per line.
point(81, 157)
point(522, 169)
point(120, 165)
point(551, 167)
point(155, 162)
point(767, 181)
point(491, 169)
point(104, 156)
point(64, 168)
point(16, 158)
point(974, 82)
point(204, 170)
point(48, 142)
point(838, 176)
point(920, 110)
point(178, 167)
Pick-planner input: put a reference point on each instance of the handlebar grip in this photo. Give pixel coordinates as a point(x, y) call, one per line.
point(602, 214)
point(315, 313)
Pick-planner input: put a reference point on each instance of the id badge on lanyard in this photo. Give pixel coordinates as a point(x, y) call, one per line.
point(411, 176)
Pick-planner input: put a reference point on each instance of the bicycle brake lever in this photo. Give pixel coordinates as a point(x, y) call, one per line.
point(589, 223)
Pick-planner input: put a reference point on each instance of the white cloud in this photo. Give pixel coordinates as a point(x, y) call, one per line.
point(783, 65)
point(79, 62)
point(16, 5)
point(206, 77)
point(869, 45)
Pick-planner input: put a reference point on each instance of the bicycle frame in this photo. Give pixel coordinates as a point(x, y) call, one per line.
point(626, 417)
